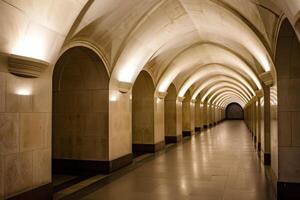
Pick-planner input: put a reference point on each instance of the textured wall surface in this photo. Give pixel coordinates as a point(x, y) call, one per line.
point(80, 106)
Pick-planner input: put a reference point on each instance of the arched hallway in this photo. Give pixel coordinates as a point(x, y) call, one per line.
point(92, 89)
point(219, 164)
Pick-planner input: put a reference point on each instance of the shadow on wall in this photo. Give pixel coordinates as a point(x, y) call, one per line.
point(234, 112)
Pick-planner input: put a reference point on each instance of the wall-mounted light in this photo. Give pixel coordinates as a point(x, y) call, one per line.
point(24, 91)
point(124, 87)
point(25, 66)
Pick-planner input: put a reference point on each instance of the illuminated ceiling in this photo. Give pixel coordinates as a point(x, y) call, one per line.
point(194, 44)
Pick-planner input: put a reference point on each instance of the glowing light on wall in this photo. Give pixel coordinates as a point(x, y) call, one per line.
point(34, 43)
point(113, 96)
point(24, 91)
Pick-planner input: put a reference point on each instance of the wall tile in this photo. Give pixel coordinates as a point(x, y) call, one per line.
point(1, 177)
point(294, 94)
point(289, 165)
point(283, 61)
point(18, 103)
point(9, 133)
point(284, 127)
point(2, 91)
point(295, 128)
point(41, 167)
point(18, 173)
point(283, 95)
point(295, 59)
point(12, 102)
point(100, 101)
point(34, 130)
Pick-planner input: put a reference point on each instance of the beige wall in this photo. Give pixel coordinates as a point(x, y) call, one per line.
point(197, 114)
point(179, 117)
point(25, 132)
point(170, 111)
point(186, 112)
point(288, 87)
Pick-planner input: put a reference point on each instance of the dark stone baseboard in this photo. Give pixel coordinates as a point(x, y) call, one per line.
point(147, 148)
point(267, 159)
point(186, 133)
point(288, 191)
point(120, 162)
point(89, 167)
point(215, 123)
point(197, 129)
point(210, 125)
point(172, 139)
point(43, 192)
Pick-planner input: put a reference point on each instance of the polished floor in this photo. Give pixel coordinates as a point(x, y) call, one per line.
point(219, 164)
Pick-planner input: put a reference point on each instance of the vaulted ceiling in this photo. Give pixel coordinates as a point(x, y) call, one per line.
point(216, 49)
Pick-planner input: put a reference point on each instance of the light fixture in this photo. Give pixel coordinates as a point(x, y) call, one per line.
point(124, 87)
point(25, 66)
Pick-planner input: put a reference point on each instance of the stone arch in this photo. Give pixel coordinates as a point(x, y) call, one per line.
point(234, 111)
point(143, 114)
point(80, 112)
point(285, 149)
point(171, 133)
point(188, 115)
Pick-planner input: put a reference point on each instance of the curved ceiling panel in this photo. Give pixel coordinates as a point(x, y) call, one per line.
point(211, 70)
point(215, 79)
point(208, 92)
point(228, 90)
point(187, 62)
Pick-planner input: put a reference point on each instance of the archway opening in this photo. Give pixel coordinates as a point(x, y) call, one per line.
point(80, 115)
point(187, 116)
point(234, 111)
point(143, 115)
point(171, 135)
point(285, 136)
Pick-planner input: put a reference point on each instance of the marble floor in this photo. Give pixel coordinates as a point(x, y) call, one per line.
point(219, 164)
